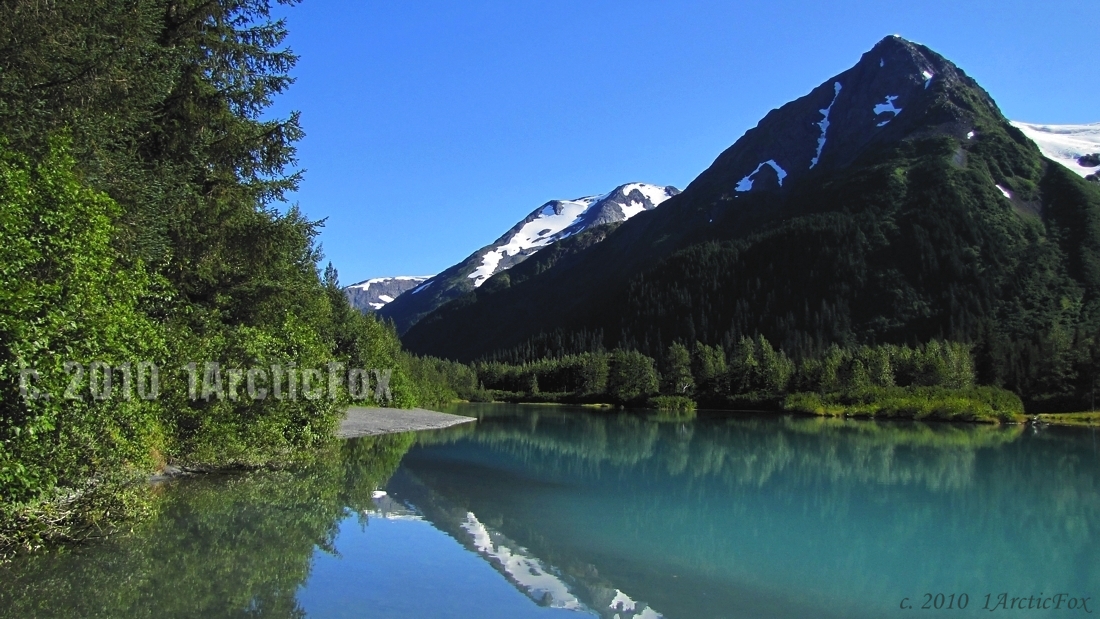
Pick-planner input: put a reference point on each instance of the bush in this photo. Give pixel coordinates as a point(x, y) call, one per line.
point(64, 296)
point(671, 403)
point(989, 404)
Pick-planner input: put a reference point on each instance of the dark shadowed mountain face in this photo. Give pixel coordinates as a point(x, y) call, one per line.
point(893, 203)
point(897, 90)
point(554, 221)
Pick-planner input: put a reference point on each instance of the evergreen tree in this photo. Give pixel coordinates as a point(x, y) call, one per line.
point(140, 180)
point(744, 367)
point(593, 373)
point(774, 367)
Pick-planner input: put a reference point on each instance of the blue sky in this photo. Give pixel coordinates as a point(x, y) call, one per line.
point(433, 126)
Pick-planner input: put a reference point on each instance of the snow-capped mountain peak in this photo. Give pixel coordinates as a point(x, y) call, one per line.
point(551, 222)
point(559, 219)
point(890, 91)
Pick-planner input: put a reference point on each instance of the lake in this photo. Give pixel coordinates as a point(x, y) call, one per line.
point(542, 511)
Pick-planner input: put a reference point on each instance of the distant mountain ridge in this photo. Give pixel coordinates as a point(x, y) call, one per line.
point(374, 294)
point(554, 221)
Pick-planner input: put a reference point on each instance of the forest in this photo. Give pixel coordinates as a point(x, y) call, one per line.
point(936, 380)
point(143, 224)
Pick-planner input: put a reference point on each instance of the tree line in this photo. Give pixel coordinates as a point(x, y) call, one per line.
point(754, 374)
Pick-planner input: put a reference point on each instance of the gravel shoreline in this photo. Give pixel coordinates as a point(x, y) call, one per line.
point(363, 421)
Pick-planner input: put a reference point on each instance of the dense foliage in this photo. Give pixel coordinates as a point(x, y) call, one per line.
point(223, 544)
point(140, 226)
point(937, 379)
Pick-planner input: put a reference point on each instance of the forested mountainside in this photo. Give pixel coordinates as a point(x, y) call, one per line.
point(892, 204)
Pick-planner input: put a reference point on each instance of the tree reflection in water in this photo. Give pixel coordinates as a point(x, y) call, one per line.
point(233, 545)
point(625, 515)
point(773, 516)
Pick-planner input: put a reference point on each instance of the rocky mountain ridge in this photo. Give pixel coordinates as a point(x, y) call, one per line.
point(373, 294)
point(551, 222)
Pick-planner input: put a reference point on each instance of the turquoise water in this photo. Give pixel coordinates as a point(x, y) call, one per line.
point(539, 511)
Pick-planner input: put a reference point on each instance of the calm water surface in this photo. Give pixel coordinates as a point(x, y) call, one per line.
point(553, 512)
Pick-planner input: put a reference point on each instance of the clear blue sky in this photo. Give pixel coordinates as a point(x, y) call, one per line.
point(433, 126)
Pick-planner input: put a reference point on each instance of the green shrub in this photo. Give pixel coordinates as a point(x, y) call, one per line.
point(671, 403)
point(940, 403)
point(65, 296)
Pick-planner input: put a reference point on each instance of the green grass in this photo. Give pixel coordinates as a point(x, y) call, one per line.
point(974, 404)
point(671, 403)
point(1082, 419)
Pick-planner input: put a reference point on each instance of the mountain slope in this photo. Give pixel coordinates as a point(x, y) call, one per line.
point(552, 222)
point(893, 203)
point(373, 294)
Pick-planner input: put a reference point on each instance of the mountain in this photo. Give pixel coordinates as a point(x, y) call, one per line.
point(1075, 146)
point(373, 294)
point(552, 222)
point(894, 203)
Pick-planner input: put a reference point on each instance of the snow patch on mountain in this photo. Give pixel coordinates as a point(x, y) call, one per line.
point(745, 184)
point(367, 283)
point(489, 263)
point(1065, 143)
point(621, 601)
point(526, 572)
point(561, 219)
point(376, 292)
point(927, 75)
point(653, 193)
point(824, 124)
point(887, 108)
point(1006, 193)
point(631, 209)
point(552, 219)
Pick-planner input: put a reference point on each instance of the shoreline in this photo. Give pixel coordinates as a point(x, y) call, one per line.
point(1090, 419)
point(373, 421)
point(1070, 420)
point(358, 422)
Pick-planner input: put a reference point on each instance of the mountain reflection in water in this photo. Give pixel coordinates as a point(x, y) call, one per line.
point(774, 517)
point(576, 512)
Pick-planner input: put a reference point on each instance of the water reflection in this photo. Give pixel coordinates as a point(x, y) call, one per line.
point(570, 511)
point(778, 518)
point(220, 546)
